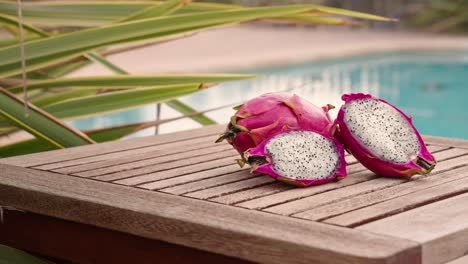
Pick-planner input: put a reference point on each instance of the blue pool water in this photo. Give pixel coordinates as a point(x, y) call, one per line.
point(432, 87)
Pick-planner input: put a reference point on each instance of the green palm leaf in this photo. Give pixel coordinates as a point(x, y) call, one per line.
point(119, 101)
point(89, 14)
point(130, 81)
point(59, 48)
point(7, 20)
point(179, 106)
point(99, 135)
point(40, 123)
point(38, 145)
point(165, 8)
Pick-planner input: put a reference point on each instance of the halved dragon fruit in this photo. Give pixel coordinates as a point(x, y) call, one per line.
point(299, 157)
point(270, 113)
point(382, 137)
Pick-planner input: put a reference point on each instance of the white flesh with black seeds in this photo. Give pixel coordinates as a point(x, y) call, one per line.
point(382, 130)
point(303, 155)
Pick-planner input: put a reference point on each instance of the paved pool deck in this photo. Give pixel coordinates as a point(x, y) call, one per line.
point(248, 46)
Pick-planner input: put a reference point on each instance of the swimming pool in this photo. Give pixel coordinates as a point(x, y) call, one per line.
point(430, 86)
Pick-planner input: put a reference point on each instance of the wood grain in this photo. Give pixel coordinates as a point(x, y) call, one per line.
point(135, 158)
point(399, 202)
point(441, 228)
point(230, 187)
point(221, 229)
point(292, 198)
point(302, 208)
point(177, 159)
point(273, 188)
point(442, 141)
point(448, 154)
point(204, 174)
point(462, 260)
point(214, 168)
point(96, 159)
point(301, 205)
point(253, 193)
point(86, 244)
point(129, 156)
point(194, 182)
point(299, 193)
point(205, 184)
point(350, 159)
point(37, 159)
point(416, 184)
point(436, 148)
point(170, 169)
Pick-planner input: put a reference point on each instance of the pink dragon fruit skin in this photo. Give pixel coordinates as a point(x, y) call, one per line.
point(304, 154)
point(397, 125)
point(268, 114)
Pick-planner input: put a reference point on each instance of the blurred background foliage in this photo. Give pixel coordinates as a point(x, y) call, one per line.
point(438, 16)
point(64, 36)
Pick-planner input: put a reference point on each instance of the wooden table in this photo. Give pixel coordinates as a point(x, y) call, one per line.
point(180, 198)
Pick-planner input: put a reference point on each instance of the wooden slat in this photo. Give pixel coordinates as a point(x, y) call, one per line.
point(361, 201)
point(170, 169)
point(296, 194)
point(129, 156)
point(399, 202)
point(221, 229)
point(350, 159)
point(153, 165)
point(253, 193)
point(125, 156)
point(178, 159)
point(338, 195)
point(353, 168)
point(194, 177)
point(108, 163)
point(230, 187)
point(203, 174)
point(37, 159)
point(448, 154)
point(269, 189)
point(441, 228)
point(462, 260)
point(194, 182)
point(442, 141)
point(300, 206)
point(94, 160)
point(436, 148)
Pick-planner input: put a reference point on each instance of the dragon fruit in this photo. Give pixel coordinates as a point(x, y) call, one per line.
point(299, 157)
point(382, 137)
point(270, 113)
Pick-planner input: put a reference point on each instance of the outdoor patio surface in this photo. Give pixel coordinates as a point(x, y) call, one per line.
point(180, 197)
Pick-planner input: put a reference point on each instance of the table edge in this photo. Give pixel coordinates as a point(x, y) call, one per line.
point(226, 229)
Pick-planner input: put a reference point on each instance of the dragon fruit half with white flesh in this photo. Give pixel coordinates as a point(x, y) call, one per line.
point(299, 157)
point(270, 113)
point(382, 137)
